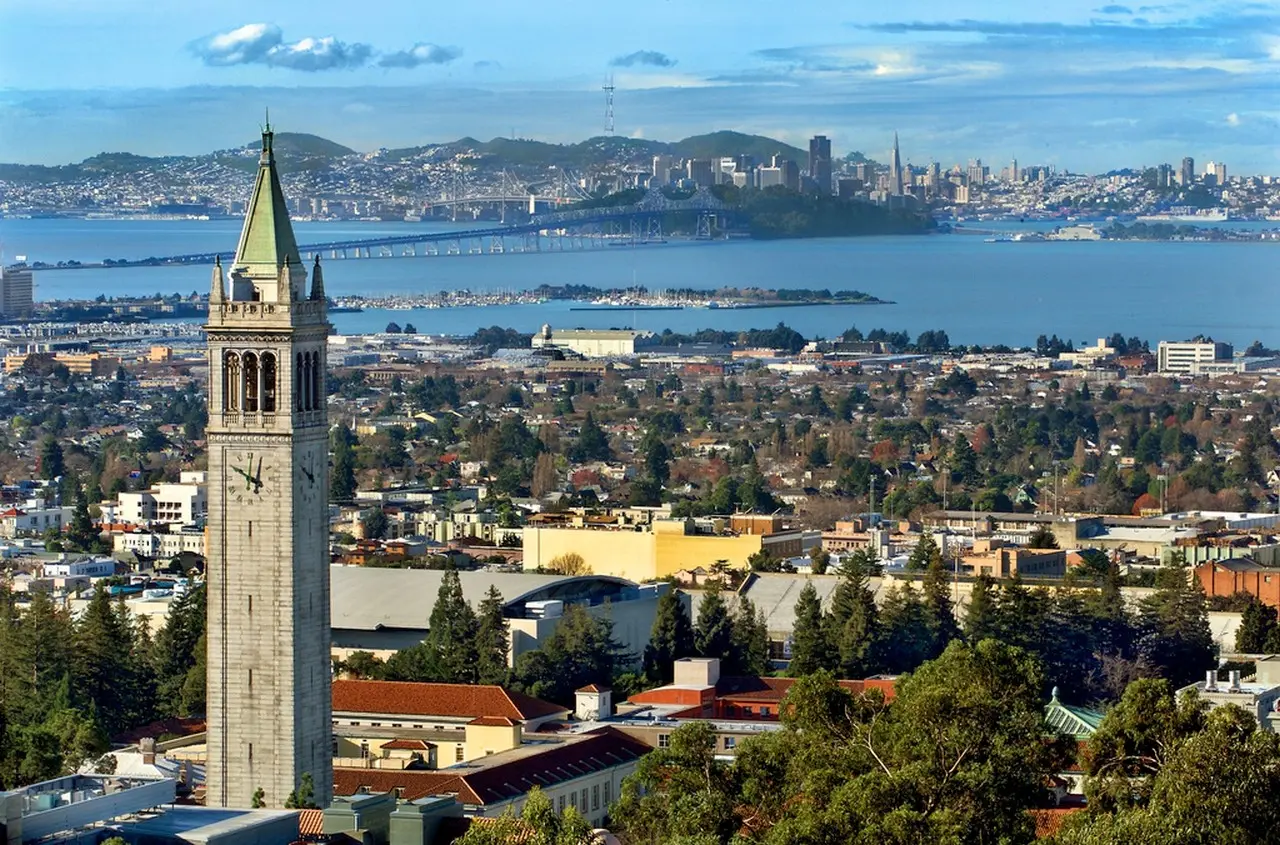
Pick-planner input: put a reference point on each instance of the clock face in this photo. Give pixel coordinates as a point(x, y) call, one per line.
point(250, 476)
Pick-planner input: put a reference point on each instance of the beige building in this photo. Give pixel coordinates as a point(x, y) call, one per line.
point(268, 565)
point(592, 343)
point(641, 550)
point(395, 725)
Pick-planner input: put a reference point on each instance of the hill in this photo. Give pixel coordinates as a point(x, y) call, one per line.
point(303, 145)
point(728, 143)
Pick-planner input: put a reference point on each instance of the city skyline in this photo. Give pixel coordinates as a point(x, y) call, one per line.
point(1083, 86)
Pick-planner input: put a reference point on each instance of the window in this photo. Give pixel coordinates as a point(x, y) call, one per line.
point(231, 382)
point(584, 799)
point(364, 749)
point(606, 794)
point(573, 800)
point(376, 724)
point(746, 709)
point(730, 742)
point(251, 752)
point(268, 383)
point(664, 740)
point(251, 382)
point(457, 754)
point(595, 797)
point(561, 803)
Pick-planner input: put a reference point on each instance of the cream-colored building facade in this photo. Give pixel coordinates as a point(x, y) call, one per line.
point(268, 569)
point(645, 552)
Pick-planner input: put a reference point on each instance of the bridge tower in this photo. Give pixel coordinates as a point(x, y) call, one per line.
point(608, 105)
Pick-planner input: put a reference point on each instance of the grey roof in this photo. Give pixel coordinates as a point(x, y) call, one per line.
point(371, 598)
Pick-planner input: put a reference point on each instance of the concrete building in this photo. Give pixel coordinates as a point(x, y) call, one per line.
point(268, 565)
point(161, 545)
point(593, 343)
point(33, 518)
point(1187, 172)
point(1185, 358)
point(369, 613)
point(996, 559)
point(820, 162)
point(16, 297)
point(1089, 355)
point(1260, 697)
point(639, 550)
point(184, 503)
point(700, 172)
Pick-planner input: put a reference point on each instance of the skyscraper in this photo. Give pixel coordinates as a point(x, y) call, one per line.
point(1187, 173)
point(15, 292)
point(268, 569)
point(895, 170)
point(820, 162)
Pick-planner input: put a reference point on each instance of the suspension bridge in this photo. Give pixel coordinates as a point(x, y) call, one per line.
point(574, 229)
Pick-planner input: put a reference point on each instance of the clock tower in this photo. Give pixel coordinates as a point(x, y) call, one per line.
point(268, 636)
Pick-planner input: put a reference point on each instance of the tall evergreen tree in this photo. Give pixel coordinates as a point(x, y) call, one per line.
point(905, 637)
point(451, 652)
point(49, 456)
point(43, 659)
point(811, 648)
point(82, 534)
point(175, 650)
point(750, 655)
point(713, 634)
point(1257, 627)
point(671, 639)
point(492, 640)
point(342, 481)
point(581, 651)
point(1176, 641)
point(925, 552)
point(980, 617)
point(939, 615)
point(854, 619)
point(101, 661)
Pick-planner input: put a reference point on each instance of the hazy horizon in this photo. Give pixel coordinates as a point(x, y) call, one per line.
point(1085, 86)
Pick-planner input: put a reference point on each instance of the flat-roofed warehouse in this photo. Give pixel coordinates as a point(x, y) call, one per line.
point(385, 610)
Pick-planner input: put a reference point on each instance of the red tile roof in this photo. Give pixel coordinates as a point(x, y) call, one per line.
point(592, 688)
point(450, 701)
point(597, 750)
point(492, 722)
point(1049, 820)
point(407, 745)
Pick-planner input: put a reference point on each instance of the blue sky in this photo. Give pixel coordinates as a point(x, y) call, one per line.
point(1084, 85)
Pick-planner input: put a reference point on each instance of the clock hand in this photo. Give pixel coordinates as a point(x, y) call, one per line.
point(310, 476)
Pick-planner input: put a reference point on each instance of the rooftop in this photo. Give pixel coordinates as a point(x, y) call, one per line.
point(502, 776)
point(449, 701)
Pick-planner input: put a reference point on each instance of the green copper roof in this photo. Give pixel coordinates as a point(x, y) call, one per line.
point(1077, 722)
point(267, 241)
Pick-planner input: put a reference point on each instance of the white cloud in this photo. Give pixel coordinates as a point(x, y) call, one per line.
point(421, 54)
point(247, 44)
point(1233, 119)
point(263, 43)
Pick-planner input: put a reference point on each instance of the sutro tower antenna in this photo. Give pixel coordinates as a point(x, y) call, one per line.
point(608, 105)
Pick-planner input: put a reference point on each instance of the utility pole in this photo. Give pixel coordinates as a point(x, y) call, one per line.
point(871, 505)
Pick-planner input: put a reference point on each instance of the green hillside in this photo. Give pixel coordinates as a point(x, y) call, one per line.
point(728, 143)
point(303, 145)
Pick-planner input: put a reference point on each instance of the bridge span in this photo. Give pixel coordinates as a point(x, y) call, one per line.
point(578, 228)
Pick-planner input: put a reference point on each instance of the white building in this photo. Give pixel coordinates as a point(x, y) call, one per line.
point(592, 343)
point(93, 568)
point(1090, 355)
point(184, 503)
point(33, 518)
point(1186, 357)
point(161, 545)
